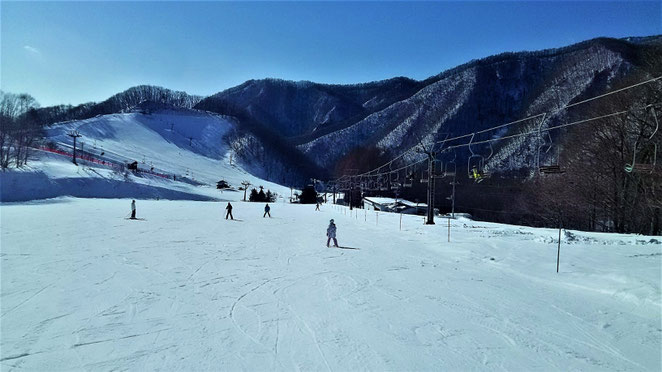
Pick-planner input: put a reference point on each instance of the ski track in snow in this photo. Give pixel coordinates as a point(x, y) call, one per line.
point(187, 290)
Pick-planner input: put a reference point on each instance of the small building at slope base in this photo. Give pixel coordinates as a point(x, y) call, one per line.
point(396, 206)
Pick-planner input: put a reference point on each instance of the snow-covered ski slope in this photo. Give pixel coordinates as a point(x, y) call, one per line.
point(85, 289)
point(185, 147)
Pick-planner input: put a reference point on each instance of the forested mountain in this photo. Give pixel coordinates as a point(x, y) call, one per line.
point(304, 110)
point(327, 121)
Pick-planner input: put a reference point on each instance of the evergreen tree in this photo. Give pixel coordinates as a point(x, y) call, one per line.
point(308, 195)
point(222, 184)
point(254, 196)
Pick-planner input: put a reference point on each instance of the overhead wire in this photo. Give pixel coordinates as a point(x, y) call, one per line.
point(547, 129)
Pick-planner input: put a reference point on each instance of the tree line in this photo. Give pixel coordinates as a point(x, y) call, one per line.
point(19, 128)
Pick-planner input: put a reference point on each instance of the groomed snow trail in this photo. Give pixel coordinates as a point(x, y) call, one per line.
point(85, 289)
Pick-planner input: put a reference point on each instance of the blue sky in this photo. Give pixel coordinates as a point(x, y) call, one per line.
point(74, 52)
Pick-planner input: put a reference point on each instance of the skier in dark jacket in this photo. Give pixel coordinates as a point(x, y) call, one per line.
point(229, 208)
point(133, 209)
point(317, 207)
point(267, 208)
point(331, 233)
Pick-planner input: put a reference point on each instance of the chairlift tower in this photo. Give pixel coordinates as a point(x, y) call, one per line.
point(245, 184)
point(351, 192)
point(74, 135)
point(430, 217)
point(452, 197)
point(352, 173)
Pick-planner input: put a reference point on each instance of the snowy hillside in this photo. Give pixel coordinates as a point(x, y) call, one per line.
point(85, 289)
point(181, 154)
point(477, 96)
point(402, 124)
point(305, 109)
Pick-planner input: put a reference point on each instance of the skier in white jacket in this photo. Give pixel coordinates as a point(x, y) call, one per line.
point(331, 233)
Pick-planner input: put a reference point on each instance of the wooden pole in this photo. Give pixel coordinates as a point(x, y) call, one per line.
point(558, 251)
point(430, 213)
point(75, 149)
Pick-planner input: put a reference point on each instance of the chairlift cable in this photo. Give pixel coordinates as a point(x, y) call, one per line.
point(408, 151)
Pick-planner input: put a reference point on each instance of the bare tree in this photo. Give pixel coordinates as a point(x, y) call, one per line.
point(612, 179)
point(18, 128)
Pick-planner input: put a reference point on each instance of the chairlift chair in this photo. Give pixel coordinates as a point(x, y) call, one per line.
point(375, 183)
point(437, 168)
point(359, 183)
point(475, 163)
point(408, 180)
point(644, 167)
point(372, 184)
point(486, 173)
point(425, 174)
point(451, 167)
point(553, 167)
point(383, 183)
point(395, 177)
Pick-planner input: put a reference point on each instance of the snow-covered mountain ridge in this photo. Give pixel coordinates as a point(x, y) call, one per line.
point(327, 122)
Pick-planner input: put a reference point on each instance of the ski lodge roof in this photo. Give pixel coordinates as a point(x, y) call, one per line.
point(392, 201)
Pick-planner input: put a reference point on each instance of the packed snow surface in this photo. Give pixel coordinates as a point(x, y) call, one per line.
point(85, 289)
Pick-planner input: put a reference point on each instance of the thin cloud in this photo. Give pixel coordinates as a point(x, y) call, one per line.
point(32, 50)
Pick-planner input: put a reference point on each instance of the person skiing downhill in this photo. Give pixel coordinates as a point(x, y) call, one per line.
point(331, 234)
point(476, 175)
point(229, 208)
point(133, 209)
point(267, 208)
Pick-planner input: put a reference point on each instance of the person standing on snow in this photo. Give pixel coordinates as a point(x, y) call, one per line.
point(331, 233)
point(476, 175)
point(229, 208)
point(267, 208)
point(133, 209)
point(317, 207)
